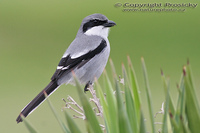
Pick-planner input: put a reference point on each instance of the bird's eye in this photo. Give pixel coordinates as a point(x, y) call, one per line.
point(95, 21)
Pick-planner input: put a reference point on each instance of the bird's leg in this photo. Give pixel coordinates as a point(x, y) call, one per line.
point(87, 85)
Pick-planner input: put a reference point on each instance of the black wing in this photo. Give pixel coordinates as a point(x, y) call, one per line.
point(68, 64)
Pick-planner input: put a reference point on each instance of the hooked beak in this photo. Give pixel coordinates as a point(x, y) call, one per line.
point(109, 24)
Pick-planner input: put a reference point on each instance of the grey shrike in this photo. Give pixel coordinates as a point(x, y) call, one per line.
point(86, 56)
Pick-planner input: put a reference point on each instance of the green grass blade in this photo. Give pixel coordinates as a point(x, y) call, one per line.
point(135, 89)
point(180, 117)
point(112, 105)
point(71, 124)
point(142, 124)
point(190, 81)
point(174, 124)
point(189, 73)
point(181, 107)
point(130, 105)
point(30, 128)
point(91, 117)
point(192, 109)
point(148, 93)
point(165, 120)
point(123, 123)
point(104, 104)
point(114, 74)
point(184, 127)
point(181, 96)
point(180, 111)
point(166, 86)
point(169, 108)
point(134, 83)
point(62, 125)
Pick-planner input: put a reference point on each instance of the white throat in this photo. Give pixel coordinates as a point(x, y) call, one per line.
point(98, 31)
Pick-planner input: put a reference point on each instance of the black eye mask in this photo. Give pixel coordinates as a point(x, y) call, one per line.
point(93, 23)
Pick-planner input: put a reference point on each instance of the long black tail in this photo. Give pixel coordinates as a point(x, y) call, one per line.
point(51, 87)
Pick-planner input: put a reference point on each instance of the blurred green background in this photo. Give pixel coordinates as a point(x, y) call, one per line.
point(35, 34)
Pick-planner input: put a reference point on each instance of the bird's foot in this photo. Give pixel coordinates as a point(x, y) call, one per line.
point(87, 86)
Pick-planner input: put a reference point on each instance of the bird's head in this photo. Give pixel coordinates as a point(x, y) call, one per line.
point(96, 24)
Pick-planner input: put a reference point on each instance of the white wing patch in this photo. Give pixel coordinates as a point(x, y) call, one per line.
point(75, 55)
point(63, 68)
point(59, 67)
point(65, 55)
point(78, 54)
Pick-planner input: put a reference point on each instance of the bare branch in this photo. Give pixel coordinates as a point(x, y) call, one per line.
point(97, 109)
point(102, 126)
point(95, 100)
point(121, 80)
point(160, 112)
point(75, 103)
point(79, 117)
point(70, 107)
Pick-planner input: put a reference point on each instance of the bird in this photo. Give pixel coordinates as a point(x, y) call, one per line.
point(86, 57)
